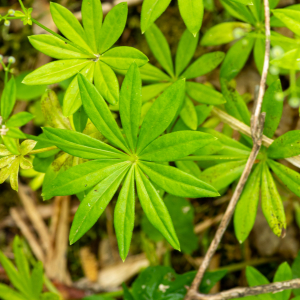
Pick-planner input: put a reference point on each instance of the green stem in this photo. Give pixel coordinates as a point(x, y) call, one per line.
point(42, 150)
point(293, 84)
point(51, 288)
point(63, 39)
point(23, 7)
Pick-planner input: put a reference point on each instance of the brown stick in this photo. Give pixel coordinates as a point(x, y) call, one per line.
point(257, 125)
point(252, 291)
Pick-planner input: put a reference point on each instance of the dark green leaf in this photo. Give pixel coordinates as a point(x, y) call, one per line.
point(296, 273)
point(127, 294)
point(8, 98)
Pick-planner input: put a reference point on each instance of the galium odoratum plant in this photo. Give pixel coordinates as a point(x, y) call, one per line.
point(87, 50)
point(140, 158)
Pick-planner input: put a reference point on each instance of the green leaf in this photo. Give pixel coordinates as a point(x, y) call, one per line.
point(37, 279)
point(8, 98)
point(113, 27)
point(188, 114)
point(289, 177)
point(238, 11)
point(285, 146)
point(151, 73)
point(173, 146)
point(287, 60)
point(81, 145)
point(151, 10)
point(130, 105)
point(68, 25)
point(155, 209)
point(6, 293)
point(235, 104)
point(273, 108)
point(219, 177)
point(106, 82)
point(255, 278)
point(232, 66)
point(177, 182)
point(245, 2)
point(161, 114)
point(204, 64)
point(55, 47)
point(80, 119)
point(81, 177)
point(192, 14)
point(124, 214)
point(72, 100)
point(283, 273)
point(224, 33)
point(122, 57)
point(160, 48)
point(204, 94)
point(50, 296)
point(189, 167)
point(55, 71)
point(15, 133)
point(11, 144)
point(185, 51)
point(290, 18)
point(99, 113)
point(19, 119)
point(151, 91)
point(93, 205)
point(21, 262)
point(92, 16)
point(52, 111)
point(296, 273)
point(246, 209)
point(271, 203)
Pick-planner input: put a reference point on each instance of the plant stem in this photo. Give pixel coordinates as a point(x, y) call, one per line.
point(257, 126)
point(42, 150)
point(22, 6)
point(63, 39)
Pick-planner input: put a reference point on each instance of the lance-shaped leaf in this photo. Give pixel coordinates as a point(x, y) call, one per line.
point(37, 280)
point(19, 119)
point(185, 51)
point(15, 133)
point(192, 14)
point(151, 10)
point(81, 145)
point(290, 18)
point(72, 99)
point(55, 47)
point(283, 273)
point(152, 90)
point(189, 167)
point(285, 146)
point(52, 111)
point(204, 94)
point(93, 205)
point(7, 293)
point(246, 209)
point(271, 203)
point(176, 182)
point(223, 33)
point(113, 27)
point(232, 66)
point(172, 146)
point(68, 25)
point(130, 105)
point(81, 177)
point(155, 208)
point(99, 113)
point(289, 177)
point(188, 114)
point(80, 119)
point(161, 114)
point(11, 144)
point(8, 98)
point(92, 16)
point(14, 174)
point(55, 71)
point(7, 160)
point(106, 82)
point(273, 108)
point(160, 48)
point(287, 60)
point(219, 177)
point(124, 214)
point(122, 57)
point(204, 64)
point(152, 73)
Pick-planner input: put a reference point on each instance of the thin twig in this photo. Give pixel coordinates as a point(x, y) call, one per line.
point(257, 125)
point(275, 287)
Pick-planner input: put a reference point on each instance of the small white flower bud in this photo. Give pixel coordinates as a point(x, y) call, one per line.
point(294, 102)
point(279, 96)
point(11, 12)
point(274, 70)
point(1, 57)
point(11, 60)
point(277, 52)
point(7, 23)
point(238, 33)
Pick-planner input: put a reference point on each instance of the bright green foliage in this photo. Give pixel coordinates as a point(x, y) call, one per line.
point(29, 285)
point(138, 155)
point(94, 61)
point(194, 91)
